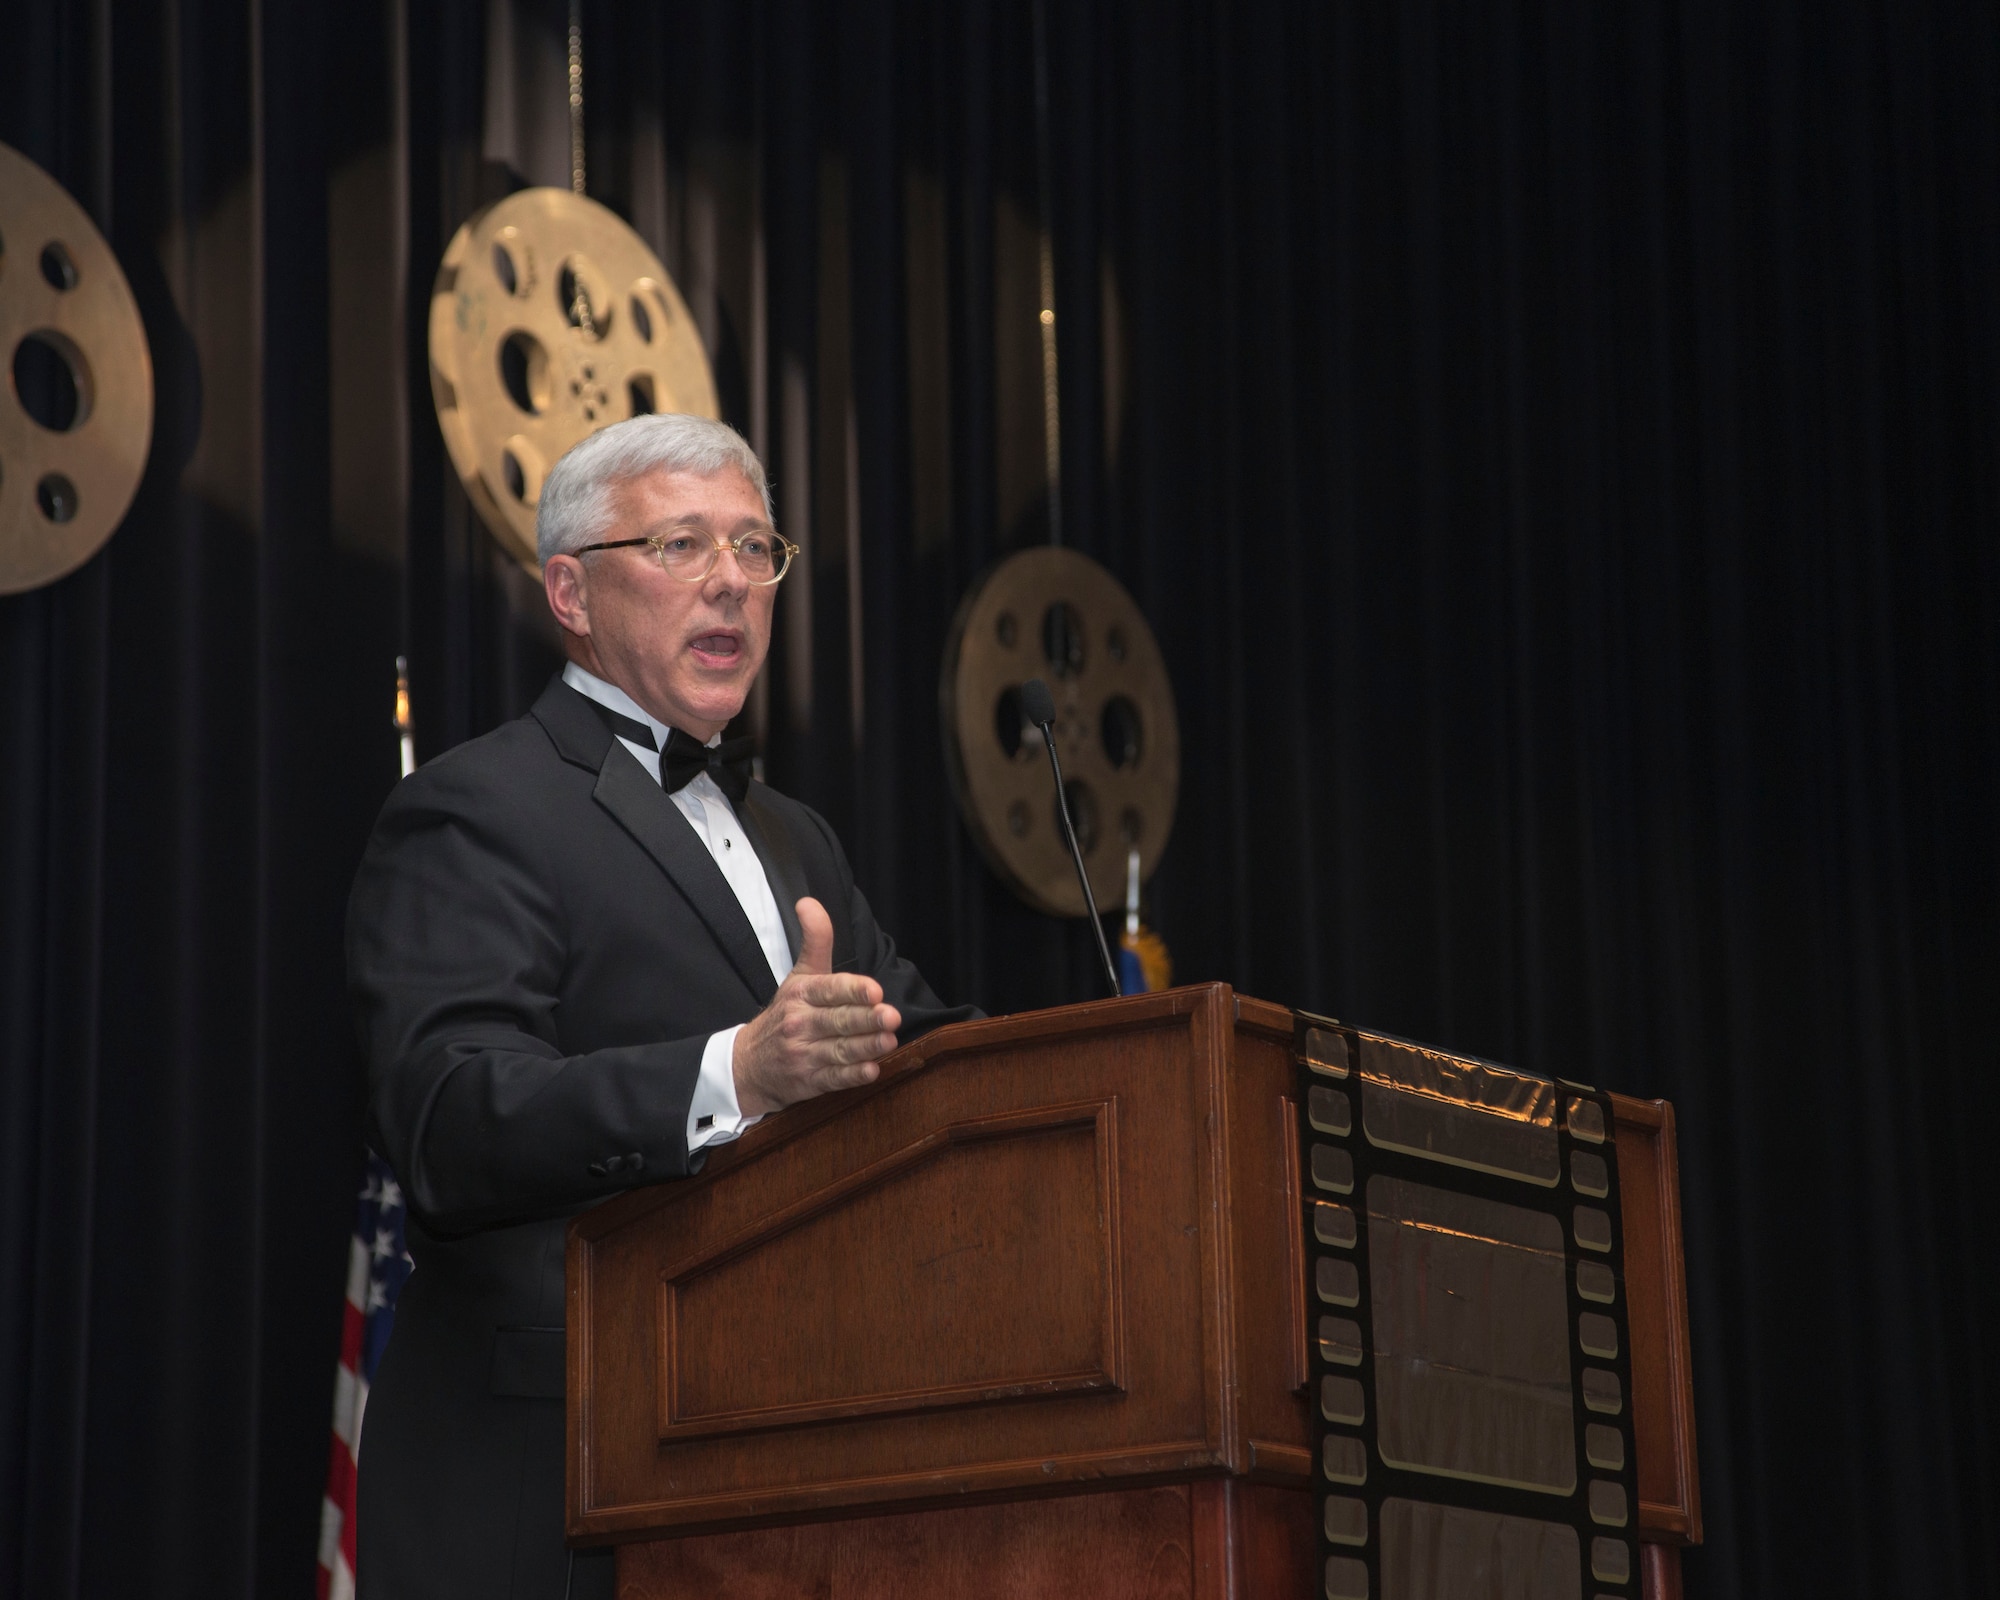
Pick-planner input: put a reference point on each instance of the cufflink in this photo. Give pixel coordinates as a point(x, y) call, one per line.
point(704, 1122)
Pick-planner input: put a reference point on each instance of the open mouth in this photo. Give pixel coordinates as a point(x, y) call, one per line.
point(717, 648)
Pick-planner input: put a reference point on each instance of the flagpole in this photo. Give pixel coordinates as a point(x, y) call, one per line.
point(378, 1264)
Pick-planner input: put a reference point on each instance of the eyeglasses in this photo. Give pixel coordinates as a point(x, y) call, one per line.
point(763, 555)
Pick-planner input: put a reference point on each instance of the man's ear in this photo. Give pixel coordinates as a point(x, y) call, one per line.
point(568, 589)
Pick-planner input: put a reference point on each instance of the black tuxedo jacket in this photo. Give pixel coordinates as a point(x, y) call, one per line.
point(539, 946)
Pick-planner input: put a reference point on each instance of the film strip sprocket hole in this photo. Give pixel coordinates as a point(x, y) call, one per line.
point(1466, 1323)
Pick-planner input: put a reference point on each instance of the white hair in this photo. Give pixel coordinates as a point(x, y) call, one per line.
point(575, 508)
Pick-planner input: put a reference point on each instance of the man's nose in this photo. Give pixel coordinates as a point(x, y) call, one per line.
point(726, 576)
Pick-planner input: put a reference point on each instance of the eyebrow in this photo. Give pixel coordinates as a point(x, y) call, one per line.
point(697, 520)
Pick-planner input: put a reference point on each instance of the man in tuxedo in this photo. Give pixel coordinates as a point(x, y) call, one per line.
point(584, 949)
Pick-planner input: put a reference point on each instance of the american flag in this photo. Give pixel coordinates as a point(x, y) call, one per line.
point(378, 1264)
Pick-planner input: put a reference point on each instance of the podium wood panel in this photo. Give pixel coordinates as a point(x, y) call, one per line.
point(1033, 1192)
point(1649, 1192)
point(1218, 1540)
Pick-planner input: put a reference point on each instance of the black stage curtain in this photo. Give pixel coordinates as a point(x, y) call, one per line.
point(1555, 444)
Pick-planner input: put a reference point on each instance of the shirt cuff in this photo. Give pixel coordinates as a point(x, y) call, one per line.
point(714, 1117)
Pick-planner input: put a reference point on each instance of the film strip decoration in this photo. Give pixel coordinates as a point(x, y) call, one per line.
point(1467, 1326)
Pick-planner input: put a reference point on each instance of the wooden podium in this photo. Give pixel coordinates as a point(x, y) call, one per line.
point(1025, 1317)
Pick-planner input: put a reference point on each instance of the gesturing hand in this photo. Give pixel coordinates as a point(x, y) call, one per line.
point(823, 1030)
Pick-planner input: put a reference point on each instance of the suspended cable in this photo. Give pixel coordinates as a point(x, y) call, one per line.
point(1051, 402)
point(576, 96)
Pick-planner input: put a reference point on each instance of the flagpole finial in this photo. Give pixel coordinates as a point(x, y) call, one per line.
point(406, 727)
point(1144, 963)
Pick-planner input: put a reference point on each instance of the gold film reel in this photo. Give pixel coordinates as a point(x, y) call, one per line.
point(551, 318)
point(76, 419)
point(1051, 613)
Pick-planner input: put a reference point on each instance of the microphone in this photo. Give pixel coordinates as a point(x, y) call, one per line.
point(1039, 707)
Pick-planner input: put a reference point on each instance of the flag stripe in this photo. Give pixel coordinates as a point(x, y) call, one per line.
point(378, 1265)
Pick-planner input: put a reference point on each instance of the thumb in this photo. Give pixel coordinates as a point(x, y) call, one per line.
point(815, 937)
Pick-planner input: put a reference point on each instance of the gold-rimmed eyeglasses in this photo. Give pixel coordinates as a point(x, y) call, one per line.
point(763, 555)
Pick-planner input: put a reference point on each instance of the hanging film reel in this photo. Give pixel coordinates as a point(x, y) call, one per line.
point(551, 318)
point(76, 419)
point(1054, 614)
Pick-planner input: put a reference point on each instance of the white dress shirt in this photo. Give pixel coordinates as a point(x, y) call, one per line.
point(714, 1117)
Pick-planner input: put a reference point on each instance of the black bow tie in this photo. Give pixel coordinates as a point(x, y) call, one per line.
point(686, 757)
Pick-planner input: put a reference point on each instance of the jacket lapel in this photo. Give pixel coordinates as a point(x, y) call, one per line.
point(644, 811)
